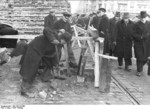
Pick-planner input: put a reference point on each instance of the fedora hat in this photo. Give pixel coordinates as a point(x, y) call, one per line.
point(143, 14)
point(126, 15)
point(117, 14)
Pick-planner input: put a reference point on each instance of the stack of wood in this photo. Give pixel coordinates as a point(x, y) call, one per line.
point(28, 18)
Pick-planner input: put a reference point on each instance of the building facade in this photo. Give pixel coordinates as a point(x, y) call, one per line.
point(132, 6)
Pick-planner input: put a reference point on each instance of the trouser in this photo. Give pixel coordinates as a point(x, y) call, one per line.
point(127, 61)
point(70, 53)
point(140, 65)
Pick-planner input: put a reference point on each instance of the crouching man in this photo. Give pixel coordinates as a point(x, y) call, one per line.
point(37, 48)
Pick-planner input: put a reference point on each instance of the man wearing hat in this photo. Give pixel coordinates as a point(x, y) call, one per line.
point(141, 40)
point(112, 24)
point(64, 26)
point(103, 29)
point(96, 19)
point(123, 38)
point(50, 19)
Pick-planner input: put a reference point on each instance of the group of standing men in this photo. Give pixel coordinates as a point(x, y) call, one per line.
point(121, 34)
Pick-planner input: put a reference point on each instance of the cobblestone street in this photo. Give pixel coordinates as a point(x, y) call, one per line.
point(69, 91)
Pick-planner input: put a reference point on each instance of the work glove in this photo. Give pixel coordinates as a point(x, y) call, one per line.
point(62, 30)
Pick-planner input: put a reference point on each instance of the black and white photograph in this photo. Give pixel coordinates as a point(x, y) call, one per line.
point(74, 52)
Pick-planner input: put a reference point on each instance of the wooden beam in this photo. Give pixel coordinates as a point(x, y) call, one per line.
point(107, 57)
point(97, 65)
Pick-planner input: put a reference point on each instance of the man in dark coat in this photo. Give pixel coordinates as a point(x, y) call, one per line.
point(81, 21)
point(37, 48)
point(112, 25)
point(141, 36)
point(123, 36)
point(96, 19)
point(64, 26)
point(50, 19)
point(103, 29)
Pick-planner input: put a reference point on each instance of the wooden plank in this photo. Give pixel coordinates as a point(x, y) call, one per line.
point(18, 36)
point(107, 57)
point(97, 64)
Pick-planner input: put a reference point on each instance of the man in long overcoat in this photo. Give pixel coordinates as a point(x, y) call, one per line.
point(50, 19)
point(64, 26)
point(103, 29)
point(37, 48)
point(141, 41)
point(112, 25)
point(123, 36)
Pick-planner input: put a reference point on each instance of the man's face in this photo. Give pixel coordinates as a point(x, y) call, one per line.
point(66, 18)
point(126, 19)
point(101, 13)
point(117, 18)
point(53, 14)
point(143, 19)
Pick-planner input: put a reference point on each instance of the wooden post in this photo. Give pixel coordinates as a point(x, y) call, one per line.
point(67, 59)
point(97, 64)
point(105, 75)
point(105, 72)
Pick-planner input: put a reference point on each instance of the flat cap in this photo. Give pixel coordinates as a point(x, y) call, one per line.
point(143, 14)
point(126, 15)
point(66, 14)
point(117, 14)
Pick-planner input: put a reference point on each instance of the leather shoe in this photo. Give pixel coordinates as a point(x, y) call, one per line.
point(74, 65)
point(127, 68)
point(138, 73)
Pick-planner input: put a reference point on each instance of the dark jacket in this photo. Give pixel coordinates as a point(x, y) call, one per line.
point(123, 35)
point(95, 22)
point(49, 21)
point(35, 51)
point(60, 24)
point(141, 40)
point(103, 31)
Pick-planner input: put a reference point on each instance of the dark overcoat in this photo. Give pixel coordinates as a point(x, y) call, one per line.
point(95, 22)
point(123, 35)
point(112, 25)
point(37, 48)
point(49, 21)
point(103, 31)
point(60, 24)
point(141, 40)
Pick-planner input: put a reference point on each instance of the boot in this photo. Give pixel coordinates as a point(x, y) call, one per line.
point(26, 89)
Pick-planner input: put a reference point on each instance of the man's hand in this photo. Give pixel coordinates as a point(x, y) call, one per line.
point(56, 42)
point(62, 30)
point(148, 58)
point(114, 43)
point(63, 41)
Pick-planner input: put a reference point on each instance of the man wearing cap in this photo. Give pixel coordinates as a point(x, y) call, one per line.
point(96, 19)
point(103, 29)
point(141, 40)
point(112, 24)
point(64, 26)
point(50, 19)
point(123, 33)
